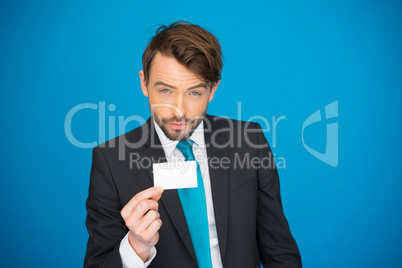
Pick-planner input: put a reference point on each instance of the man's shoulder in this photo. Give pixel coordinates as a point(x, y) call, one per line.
point(223, 132)
point(134, 139)
point(215, 123)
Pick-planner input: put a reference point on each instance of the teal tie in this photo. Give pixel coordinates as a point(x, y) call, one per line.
point(195, 210)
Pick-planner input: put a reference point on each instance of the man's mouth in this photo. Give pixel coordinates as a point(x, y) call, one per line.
point(177, 125)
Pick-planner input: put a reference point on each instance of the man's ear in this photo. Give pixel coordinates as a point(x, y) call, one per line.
point(143, 84)
point(213, 89)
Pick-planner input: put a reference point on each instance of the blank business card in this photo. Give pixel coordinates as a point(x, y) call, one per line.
point(175, 175)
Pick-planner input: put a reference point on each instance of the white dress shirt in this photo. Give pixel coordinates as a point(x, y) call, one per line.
point(129, 258)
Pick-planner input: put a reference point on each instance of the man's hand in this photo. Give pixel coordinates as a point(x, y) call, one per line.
point(142, 219)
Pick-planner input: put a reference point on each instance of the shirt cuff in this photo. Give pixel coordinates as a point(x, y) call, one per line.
point(130, 259)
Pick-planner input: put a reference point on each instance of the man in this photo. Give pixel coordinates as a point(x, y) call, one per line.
point(233, 218)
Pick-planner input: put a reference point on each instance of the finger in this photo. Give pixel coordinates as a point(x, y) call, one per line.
point(146, 221)
point(151, 193)
point(133, 218)
point(151, 232)
point(154, 227)
point(143, 207)
point(157, 197)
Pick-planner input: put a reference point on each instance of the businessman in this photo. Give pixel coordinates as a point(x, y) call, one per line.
point(233, 218)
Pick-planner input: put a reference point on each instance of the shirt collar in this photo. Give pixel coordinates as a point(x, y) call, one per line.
point(169, 145)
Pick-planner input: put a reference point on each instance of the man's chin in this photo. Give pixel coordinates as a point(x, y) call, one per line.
point(177, 135)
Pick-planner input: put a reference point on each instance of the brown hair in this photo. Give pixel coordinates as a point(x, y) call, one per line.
point(191, 45)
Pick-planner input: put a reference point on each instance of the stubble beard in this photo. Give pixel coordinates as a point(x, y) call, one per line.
point(178, 135)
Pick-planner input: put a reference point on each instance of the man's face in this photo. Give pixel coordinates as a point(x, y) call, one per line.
point(178, 99)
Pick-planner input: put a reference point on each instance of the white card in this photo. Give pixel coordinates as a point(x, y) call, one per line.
point(175, 175)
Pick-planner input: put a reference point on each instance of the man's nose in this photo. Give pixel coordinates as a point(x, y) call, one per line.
point(178, 108)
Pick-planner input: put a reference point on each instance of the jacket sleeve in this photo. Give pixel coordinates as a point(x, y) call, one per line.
point(277, 247)
point(105, 225)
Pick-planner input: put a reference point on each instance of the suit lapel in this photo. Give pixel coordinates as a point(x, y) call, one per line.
point(170, 199)
point(219, 181)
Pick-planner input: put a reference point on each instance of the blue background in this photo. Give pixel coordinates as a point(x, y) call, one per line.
point(282, 58)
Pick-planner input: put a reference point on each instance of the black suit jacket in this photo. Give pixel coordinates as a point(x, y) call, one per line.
point(250, 223)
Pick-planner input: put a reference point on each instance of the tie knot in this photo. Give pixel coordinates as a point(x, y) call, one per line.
point(186, 148)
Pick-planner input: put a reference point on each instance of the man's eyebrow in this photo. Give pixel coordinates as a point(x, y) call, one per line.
point(160, 83)
point(204, 85)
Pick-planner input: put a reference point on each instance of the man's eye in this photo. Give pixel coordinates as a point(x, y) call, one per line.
point(195, 93)
point(165, 91)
